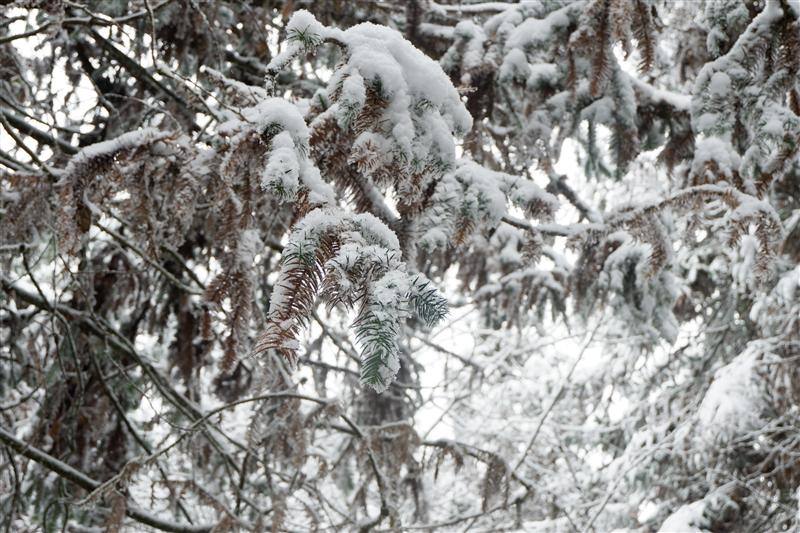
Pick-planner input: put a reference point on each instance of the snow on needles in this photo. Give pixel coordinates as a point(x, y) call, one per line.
point(424, 108)
point(378, 52)
point(287, 165)
point(363, 244)
point(734, 401)
point(126, 141)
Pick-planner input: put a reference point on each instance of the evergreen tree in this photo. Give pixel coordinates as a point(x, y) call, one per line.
point(557, 243)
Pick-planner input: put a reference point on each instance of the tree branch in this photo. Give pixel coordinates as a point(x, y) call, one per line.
point(85, 482)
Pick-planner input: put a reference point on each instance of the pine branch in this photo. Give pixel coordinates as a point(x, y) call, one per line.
point(643, 32)
point(379, 349)
point(429, 305)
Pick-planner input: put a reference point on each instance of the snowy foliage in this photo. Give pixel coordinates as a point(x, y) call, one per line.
point(372, 266)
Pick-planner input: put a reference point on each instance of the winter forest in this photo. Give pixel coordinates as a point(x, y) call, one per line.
point(365, 265)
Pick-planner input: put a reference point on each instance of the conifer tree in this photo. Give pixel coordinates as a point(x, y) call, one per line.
point(393, 265)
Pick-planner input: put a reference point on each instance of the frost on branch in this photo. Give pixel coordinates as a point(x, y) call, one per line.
point(744, 110)
point(352, 261)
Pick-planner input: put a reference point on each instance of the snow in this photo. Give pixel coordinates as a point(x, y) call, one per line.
point(126, 141)
point(467, 51)
point(543, 74)
point(473, 53)
point(267, 112)
point(734, 401)
point(366, 248)
point(515, 64)
point(623, 392)
point(720, 84)
point(523, 193)
point(422, 109)
point(533, 32)
point(601, 110)
point(478, 7)
point(287, 163)
point(719, 151)
point(320, 192)
point(681, 102)
point(405, 73)
point(362, 235)
point(251, 92)
point(406, 77)
point(353, 91)
point(436, 30)
point(742, 270)
point(283, 170)
point(482, 192)
point(388, 303)
point(687, 519)
point(372, 226)
point(789, 285)
point(249, 245)
point(474, 194)
point(774, 127)
point(714, 79)
point(706, 121)
point(304, 22)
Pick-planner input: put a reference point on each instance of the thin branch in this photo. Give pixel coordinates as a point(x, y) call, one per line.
point(85, 482)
